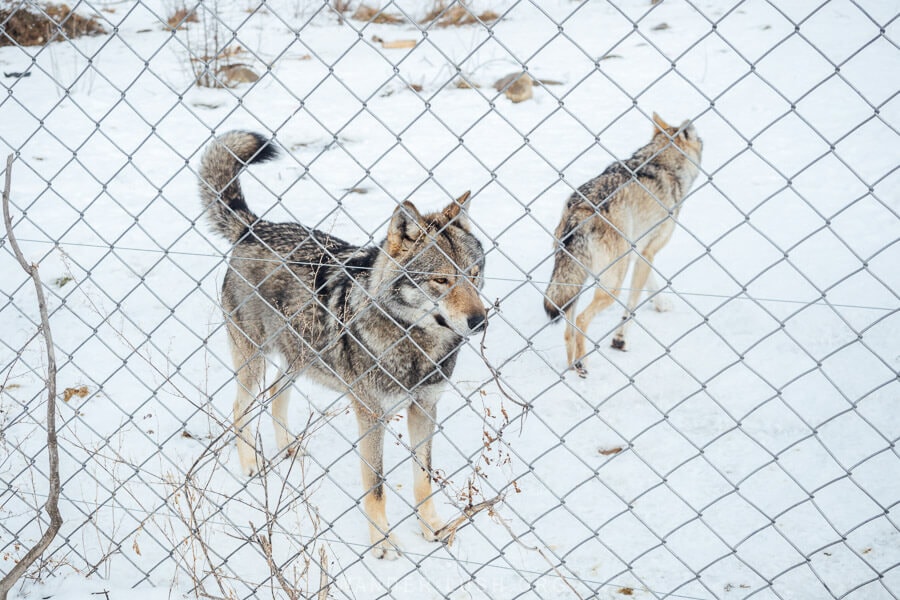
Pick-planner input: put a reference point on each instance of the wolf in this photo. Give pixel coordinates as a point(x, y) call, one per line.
point(382, 323)
point(624, 215)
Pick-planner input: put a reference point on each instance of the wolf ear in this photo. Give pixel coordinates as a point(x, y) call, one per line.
point(659, 124)
point(405, 228)
point(457, 210)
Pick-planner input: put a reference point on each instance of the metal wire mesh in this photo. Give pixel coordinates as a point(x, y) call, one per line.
point(744, 446)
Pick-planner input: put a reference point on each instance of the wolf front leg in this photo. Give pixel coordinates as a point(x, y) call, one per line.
point(642, 276)
point(421, 419)
point(371, 454)
point(643, 267)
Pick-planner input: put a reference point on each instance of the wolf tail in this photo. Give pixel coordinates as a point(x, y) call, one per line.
point(220, 190)
point(568, 276)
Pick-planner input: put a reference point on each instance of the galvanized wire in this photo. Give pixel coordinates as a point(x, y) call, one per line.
point(178, 508)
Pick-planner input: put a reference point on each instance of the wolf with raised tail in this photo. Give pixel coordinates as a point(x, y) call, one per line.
point(623, 216)
point(382, 323)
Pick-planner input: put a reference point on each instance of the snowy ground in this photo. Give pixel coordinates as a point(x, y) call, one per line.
point(757, 421)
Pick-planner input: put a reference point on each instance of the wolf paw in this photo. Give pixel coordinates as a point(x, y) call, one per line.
point(434, 532)
point(251, 466)
point(618, 343)
point(294, 450)
point(662, 303)
point(386, 549)
point(580, 369)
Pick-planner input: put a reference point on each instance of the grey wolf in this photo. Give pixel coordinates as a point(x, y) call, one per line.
point(625, 215)
point(382, 323)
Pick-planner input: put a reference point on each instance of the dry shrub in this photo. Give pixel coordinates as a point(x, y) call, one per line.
point(456, 16)
point(180, 18)
point(220, 70)
point(375, 15)
point(53, 22)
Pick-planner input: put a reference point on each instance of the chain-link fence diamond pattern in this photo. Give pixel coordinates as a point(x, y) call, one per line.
point(744, 445)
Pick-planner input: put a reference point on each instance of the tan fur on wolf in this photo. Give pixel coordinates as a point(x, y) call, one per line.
point(625, 215)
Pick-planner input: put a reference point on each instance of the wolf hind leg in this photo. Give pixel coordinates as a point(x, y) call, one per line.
point(250, 369)
point(610, 286)
point(573, 359)
point(280, 393)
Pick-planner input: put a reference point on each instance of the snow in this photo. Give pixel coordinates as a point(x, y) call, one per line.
point(744, 445)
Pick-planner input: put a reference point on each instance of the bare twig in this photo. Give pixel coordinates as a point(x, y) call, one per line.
point(541, 553)
point(266, 540)
point(52, 504)
point(323, 575)
point(448, 532)
point(195, 525)
point(494, 373)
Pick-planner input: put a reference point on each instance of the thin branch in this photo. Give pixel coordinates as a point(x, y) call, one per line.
point(52, 504)
point(195, 526)
point(494, 373)
point(323, 574)
point(266, 540)
point(519, 541)
point(447, 533)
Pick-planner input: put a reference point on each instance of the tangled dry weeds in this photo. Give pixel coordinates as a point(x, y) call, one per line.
point(49, 23)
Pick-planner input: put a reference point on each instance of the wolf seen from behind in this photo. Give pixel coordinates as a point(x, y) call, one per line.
point(626, 214)
point(382, 323)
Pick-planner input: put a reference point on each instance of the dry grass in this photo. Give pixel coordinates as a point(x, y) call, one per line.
point(456, 16)
point(180, 18)
point(54, 22)
point(226, 54)
point(376, 15)
point(70, 393)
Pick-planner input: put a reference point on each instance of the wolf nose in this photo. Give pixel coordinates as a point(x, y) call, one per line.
point(476, 323)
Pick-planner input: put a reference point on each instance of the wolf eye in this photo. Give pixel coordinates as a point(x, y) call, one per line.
point(441, 280)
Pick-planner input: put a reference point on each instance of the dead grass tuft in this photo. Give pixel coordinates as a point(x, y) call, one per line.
point(456, 16)
point(51, 23)
point(375, 15)
point(180, 18)
point(226, 54)
point(70, 393)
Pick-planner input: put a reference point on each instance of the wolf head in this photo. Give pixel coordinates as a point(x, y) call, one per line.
point(682, 140)
point(433, 268)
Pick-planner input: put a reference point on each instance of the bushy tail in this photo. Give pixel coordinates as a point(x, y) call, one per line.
point(220, 190)
point(565, 284)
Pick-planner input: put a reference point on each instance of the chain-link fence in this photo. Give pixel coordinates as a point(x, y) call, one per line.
point(744, 444)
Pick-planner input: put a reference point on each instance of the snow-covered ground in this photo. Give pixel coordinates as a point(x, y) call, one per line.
point(744, 446)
